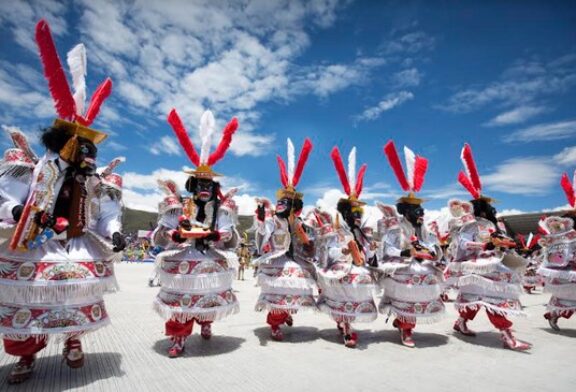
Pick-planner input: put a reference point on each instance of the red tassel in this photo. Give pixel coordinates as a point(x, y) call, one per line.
point(176, 123)
point(227, 133)
point(568, 189)
point(283, 171)
point(394, 160)
point(339, 165)
point(54, 73)
point(420, 168)
point(466, 183)
point(360, 179)
point(302, 159)
point(470, 166)
point(102, 92)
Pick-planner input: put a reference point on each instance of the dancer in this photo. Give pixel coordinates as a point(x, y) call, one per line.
point(483, 263)
point(57, 265)
point(285, 273)
point(345, 283)
point(530, 250)
point(197, 269)
point(409, 255)
point(243, 256)
point(559, 260)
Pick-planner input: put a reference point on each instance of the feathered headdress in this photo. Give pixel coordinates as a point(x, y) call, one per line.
point(470, 179)
point(351, 184)
point(291, 177)
point(70, 107)
point(109, 177)
point(569, 188)
point(530, 242)
point(416, 167)
point(205, 160)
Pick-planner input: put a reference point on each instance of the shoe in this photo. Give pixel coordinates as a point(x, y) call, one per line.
point(206, 331)
point(406, 338)
point(177, 347)
point(444, 297)
point(150, 282)
point(22, 370)
point(289, 321)
point(351, 340)
point(509, 341)
point(553, 321)
point(460, 326)
point(276, 334)
point(73, 354)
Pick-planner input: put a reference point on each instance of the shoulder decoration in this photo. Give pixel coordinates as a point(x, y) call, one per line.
point(111, 179)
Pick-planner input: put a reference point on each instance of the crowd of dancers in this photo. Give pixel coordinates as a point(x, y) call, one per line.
point(59, 261)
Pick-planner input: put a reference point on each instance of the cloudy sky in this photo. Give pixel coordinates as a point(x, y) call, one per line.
point(428, 74)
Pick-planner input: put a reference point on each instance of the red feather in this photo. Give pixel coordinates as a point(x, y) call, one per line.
point(302, 159)
point(420, 168)
point(394, 160)
point(339, 165)
point(54, 73)
point(176, 123)
point(522, 240)
point(470, 166)
point(283, 171)
point(102, 92)
point(568, 189)
point(227, 133)
point(466, 183)
point(360, 179)
point(534, 241)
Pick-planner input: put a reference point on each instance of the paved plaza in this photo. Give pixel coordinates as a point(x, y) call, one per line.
point(130, 355)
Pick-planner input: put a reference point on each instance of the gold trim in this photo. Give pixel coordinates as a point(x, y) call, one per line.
point(288, 192)
point(93, 135)
point(411, 199)
point(203, 171)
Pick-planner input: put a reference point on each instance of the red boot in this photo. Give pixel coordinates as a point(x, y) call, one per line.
point(460, 326)
point(177, 347)
point(351, 340)
point(289, 320)
point(509, 341)
point(206, 330)
point(22, 370)
point(276, 333)
point(73, 354)
point(405, 335)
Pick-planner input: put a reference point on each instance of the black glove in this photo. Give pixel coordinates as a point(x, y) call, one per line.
point(45, 219)
point(185, 224)
point(17, 212)
point(176, 237)
point(260, 212)
point(489, 246)
point(119, 242)
point(213, 236)
point(405, 253)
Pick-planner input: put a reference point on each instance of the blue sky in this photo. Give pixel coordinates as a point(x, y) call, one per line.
point(429, 75)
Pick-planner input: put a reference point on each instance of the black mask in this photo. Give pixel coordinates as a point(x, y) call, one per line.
point(204, 190)
point(483, 209)
point(283, 207)
point(86, 157)
point(414, 213)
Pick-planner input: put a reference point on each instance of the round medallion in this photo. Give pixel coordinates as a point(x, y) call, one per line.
point(99, 268)
point(418, 308)
point(21, 318)
point(186, 301)
point(183, 267)
point(96, 312)
point(26, 270)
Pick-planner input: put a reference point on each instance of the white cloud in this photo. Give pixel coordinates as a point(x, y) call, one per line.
point(407, 78)
point(516, 116)
point(409, 44)
point(526, 176)
point(566, 157)
point(520, 85)
point(544, 132)
point(166, 146)
point(389, 102)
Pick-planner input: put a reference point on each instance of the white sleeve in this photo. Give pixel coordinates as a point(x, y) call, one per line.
point(391, 243)
point(225, 224)
point(264, 231)
point(12, 193)
point(110, 219)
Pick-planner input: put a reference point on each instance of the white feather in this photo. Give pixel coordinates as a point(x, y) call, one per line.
point(206, 132)
point(529, 240)
point(352, 169)
point(76, 59)
point(291, 161)
point(410, 162)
